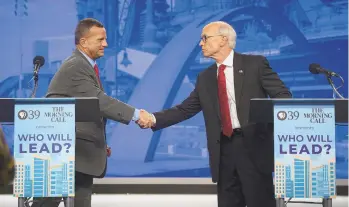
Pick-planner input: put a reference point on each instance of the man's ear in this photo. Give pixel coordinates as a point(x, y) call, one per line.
point(83, 42)
point(224, 40)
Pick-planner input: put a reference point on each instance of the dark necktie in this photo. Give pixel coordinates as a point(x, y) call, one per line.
point(97, 74)
point(223, 102)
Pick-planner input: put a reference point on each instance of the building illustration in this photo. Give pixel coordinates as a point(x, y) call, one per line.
point(41, 179)
point(303, 180)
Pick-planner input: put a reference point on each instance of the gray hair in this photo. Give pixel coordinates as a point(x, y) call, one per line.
point(226, 30)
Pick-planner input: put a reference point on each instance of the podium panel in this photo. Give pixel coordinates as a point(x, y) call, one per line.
point(304, 150)
point(44, 144)
point(44, 148)
point(304, 145)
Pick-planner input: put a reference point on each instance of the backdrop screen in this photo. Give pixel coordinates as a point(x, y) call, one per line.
point(153, 59)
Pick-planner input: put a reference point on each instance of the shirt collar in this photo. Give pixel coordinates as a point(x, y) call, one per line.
point(228, 61)
point(92, 62)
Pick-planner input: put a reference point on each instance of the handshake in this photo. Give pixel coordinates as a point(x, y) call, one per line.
point(146, 120)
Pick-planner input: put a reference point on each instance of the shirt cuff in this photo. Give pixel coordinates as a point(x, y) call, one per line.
point(154, 119)
point(136, 115)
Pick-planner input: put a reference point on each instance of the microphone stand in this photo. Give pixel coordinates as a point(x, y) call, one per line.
point(332, 85)
point(36, 79)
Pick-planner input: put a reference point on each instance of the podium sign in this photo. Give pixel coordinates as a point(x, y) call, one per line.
point(44, 147)
point(304, 149)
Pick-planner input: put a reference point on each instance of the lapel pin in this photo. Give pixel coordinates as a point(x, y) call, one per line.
point(241, 72)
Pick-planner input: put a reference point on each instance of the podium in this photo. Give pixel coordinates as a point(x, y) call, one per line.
point(304, 145)
point(44, 144)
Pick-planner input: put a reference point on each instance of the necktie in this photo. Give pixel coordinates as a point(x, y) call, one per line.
point(223, 102)
point(97, 73)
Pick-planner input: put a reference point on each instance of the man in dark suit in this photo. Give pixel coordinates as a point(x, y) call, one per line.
point(241, 153)
point(79, 77)
point(7, 162)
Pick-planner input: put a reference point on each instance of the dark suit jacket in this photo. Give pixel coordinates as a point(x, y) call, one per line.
point(76, 78)
point(255, 80)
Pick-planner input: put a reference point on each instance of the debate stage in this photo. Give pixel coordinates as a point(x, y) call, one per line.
point(151, 200)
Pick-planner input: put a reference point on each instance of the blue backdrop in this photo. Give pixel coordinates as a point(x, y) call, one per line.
point(152, 38)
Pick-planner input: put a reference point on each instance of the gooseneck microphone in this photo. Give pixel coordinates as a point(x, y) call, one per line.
point(315, 68)
point(38, 62)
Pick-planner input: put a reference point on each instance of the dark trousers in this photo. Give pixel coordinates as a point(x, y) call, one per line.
point(83, 192)
point(240, 183)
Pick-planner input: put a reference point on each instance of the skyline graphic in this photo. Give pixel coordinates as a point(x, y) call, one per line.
point(40, 178)
point(302, 179)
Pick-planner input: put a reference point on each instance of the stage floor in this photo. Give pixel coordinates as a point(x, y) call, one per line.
point(119, 200)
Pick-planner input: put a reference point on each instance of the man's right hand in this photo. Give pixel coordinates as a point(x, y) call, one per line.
point(146, 120)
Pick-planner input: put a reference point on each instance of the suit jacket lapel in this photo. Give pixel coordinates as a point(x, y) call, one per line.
point(239, 74)
point(213, 87)
point(77, 52)
point(100, 84)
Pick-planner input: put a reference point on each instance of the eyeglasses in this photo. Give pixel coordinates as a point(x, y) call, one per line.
point(204, 37)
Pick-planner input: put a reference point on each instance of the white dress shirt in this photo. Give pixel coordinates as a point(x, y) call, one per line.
point(229, 77)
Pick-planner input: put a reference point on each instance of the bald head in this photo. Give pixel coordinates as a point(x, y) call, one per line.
point(217, 40)
point(224, 29)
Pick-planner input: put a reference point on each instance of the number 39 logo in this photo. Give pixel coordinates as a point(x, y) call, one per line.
point(22, 114)
point(31, 114)
point(289, 115)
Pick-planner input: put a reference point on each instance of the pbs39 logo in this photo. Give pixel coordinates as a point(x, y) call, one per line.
point(30, 114)
point(289, 115)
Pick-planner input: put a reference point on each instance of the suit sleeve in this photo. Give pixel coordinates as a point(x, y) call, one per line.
point(82, 84)
point(271, 82)
point(187, 109)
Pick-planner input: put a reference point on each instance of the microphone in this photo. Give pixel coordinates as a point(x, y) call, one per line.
point(315, 68)
point(38, 61)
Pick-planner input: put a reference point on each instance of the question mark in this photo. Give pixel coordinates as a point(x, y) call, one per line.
point(68, 146)
point(328, 148)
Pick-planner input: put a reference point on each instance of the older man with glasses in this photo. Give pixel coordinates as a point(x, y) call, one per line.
point(241, 153)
